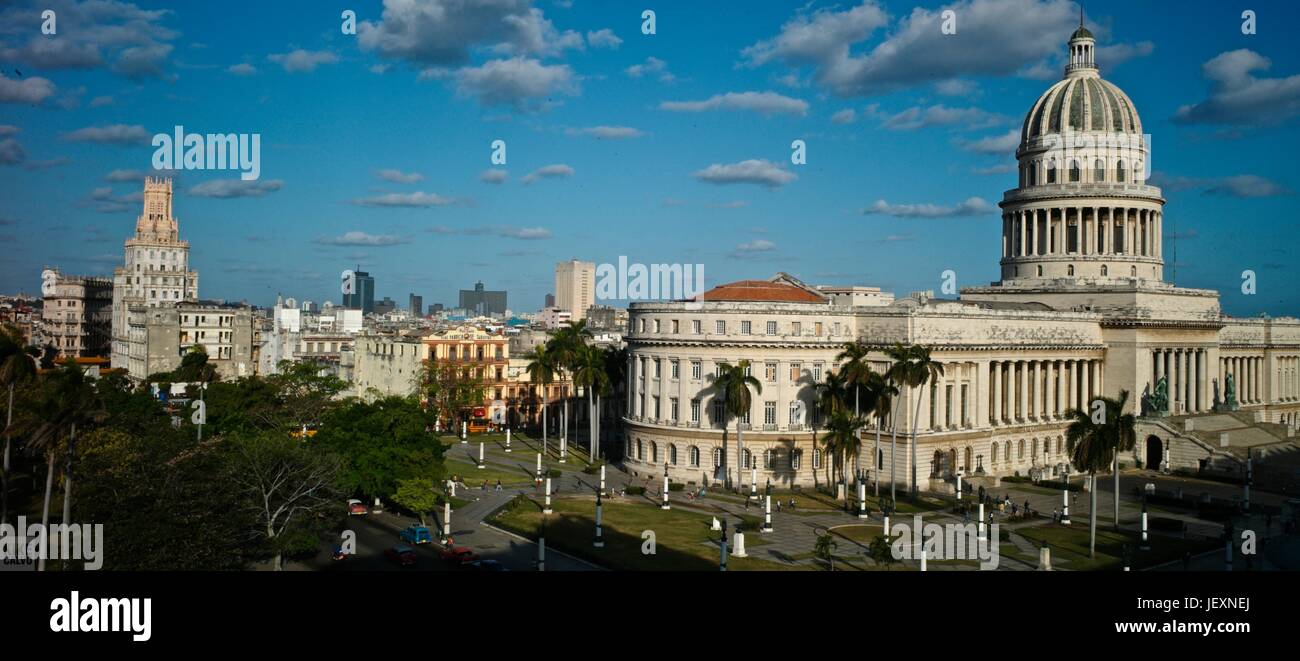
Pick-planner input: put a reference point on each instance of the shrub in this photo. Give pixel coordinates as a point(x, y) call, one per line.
point(635, 490)
point(554, 473)
point(676, 486)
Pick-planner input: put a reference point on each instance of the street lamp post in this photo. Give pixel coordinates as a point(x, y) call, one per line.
point(508, 439)
point(600, 540)
point(547, 509)
point(665, 505)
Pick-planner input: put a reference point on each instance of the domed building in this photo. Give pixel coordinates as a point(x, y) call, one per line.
point(1081, 310)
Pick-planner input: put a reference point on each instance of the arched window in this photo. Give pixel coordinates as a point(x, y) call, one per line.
point(1040, 271)
point(654, 452)
point(1033, 173)
point(745, 458)
point(694, 455)
point(717, 457)
point(1020, 449)
point(672, 454)
point(1133, 271)
point(1137, 172)
point(1104, 270)
point(1006, 452)
point(1119, 172)
point(768, 457)
point(1074, 170)
point(994, 452)
point(640, 451)
point(1035, 447)
point(817, 459)
point(796, 458)
point(1058, 445)
point(1099, 170)
point(1051, 172)
point(1069, 270)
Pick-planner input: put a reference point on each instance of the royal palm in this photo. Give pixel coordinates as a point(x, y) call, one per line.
point(733, 383)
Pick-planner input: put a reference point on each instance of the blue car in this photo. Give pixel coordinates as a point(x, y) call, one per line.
point(415, 535)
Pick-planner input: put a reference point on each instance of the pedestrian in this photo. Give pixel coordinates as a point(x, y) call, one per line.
point(498, 484)
point(791, 504)
point(778, 504)
point(1056, 515)
point(746, 504)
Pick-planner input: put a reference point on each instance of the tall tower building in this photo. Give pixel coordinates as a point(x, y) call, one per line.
point(575, 287)
point(157, 266)
point(363, 297)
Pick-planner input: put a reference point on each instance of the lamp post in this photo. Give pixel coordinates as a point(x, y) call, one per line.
point(862, 499)
point(446, 522)
point(547, 509)
point(982, 535)
point(464, 432)
point(767, 514)
point(1065, 506)
point(1146, 544)
point(753, 482)
point(602, 478)
point(600, 540)
point(722, 559)
point(665, 506)
point(480, 455)
point(508, 439)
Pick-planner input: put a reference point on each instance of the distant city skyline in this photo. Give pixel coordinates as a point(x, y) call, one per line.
point(667, 148)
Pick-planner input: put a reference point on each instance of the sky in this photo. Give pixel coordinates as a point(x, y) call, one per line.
point(672, 147)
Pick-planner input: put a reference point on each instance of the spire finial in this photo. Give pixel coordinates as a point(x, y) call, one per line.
point(1080, 14)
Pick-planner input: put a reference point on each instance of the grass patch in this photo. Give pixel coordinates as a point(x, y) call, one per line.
point(683, 540)
point(1070, 543)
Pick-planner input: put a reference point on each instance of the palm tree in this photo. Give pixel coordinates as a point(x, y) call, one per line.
point(18, 364)
point(1091, 446)
point(68, 400)
point(541, 370)
point(914, 370)
point(897, 354)
point(616, 370)
point(856, 370)
point(831, 395)
point(1123, 434)
point(733, 383)
point(590, 373)
point(880, 398)
point(825, 549)
point(566, 344)
point(842, 434)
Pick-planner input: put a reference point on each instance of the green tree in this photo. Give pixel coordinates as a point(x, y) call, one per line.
point(288, 488)
point(831, 397)
point(616, 371)
point(1123, 434)
point(855, 367)
point(1091, 445)
point(842, 435)
point(304, 392)
point(566, 345)
point(825, 549)
point(18, 365)
point(589, 373)
point(733, 384)
point(450, 389)
point(882, 552)
point(380, 444)
point(914, 368)
point(541, 371)
point(417, 495)
point(880, 395)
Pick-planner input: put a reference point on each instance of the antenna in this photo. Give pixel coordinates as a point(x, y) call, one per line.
point(1173, 251)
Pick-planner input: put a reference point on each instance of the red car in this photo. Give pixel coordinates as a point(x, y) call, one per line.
point(459, 555)
point(356, 507)
point(402, 555)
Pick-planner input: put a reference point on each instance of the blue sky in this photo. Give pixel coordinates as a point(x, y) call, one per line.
point(621, 132)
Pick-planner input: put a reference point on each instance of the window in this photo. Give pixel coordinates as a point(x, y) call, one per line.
point(795, 369)
point(695, 412)
point(1040, 271)
point(721, 327)
point(658, 365)
point(672, 454)
point(672, 411)
point(1099, 173)
point(1074, 170)
point(1133, 271)
point(717, 410)
point(1051, 172)
point(817, 373)
point(796, 328)
point(640, 325)
point(817, 329)
point(796, 458)
point(656, 325)
point(994, 452)
point(640, 450)
point(675, 369)
point(655, 398)
point(717, 457)
point(769, 413)
point(817, 459)
point(746, 458)
point(1069, 270)
point(693, 455)
point(1104, 270)
point(795, 414)
point(771, 328)
point(769, 458)
point(770, 372)
point(654, 452)
point(695, 370)
point(1119, 172)
point(695, 326)
point(744, 328)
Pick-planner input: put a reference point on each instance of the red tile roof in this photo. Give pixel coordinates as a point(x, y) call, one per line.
point(761, 290)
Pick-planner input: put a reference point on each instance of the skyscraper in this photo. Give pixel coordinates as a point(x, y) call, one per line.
point(363, 294)
point(575, 287)
point(482, 301)
point(157, 272)
point(416, 305)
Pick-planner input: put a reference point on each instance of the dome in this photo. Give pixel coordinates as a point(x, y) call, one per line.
point(1081, 103)
point(1081, 33)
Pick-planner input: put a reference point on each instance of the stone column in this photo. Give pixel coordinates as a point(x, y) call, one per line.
point(1086, 387)
point(1020, 217)
point(1203, 359)
point(940, 404)
point(1023, 387)
point(1051, 390)
point(1078, 231)
point(1099, 368)
point(996, 416)
point(1032, 215)
point(980, 389)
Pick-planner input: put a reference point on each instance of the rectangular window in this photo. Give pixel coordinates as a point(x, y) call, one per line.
point(676, 369)
point(817, 329)
point(817, 373)
point(717, 410)
point(795, 371)
point(695, 410)
point(657, 367)
point(744, 328)
point(695, 370)
point(656, 407)
point(770, 372)
point(721, 327)
point(769, 413)
point(672, 409)
point(796, 328)
point(675, 326)
point(771, 328)
point(695, 326)
point(656, 325)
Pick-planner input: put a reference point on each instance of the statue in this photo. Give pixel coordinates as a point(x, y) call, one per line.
point(1218, 405)
point(1147, 407)
point(1230, 393)
point(1161, 399)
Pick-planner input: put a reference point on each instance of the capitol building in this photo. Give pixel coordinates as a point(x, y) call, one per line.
point(1081, 309)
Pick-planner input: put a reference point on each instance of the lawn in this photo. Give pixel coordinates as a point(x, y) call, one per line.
point(854, 539)
point(683, 540)
point(1070, 543)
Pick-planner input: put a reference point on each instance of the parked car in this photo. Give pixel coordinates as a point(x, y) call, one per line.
point(459, 555)
point(487, 565)
point(356, 507)
point(402, 555)
point(415, 535)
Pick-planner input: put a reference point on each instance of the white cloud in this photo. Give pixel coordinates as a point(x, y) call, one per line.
point(1116, 54)
point(554, 171)
point(494, 176)
point(302, 61)
point(971, 207)
point(767, 103)
point(228, 188)
point(444, 32)
point(1242, 185)
point(131, 40)
point(1238, 97)
point(606, 132)
point(603, 39)
point(11, 152)
point(845, 116)
point(652, 66)
point(358, 238)
point(917, 117)
point(515, 81)
point(241, 69)
point(28, 90)
point(415, 199)
point(752, 171)
point(757, 245)
point(113, 134)
point(399, 177)
point(521, 233)
point(1003, 143)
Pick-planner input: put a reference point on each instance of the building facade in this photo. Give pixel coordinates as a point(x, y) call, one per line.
point(363, 293)
point(1081, 310)
point(480, 301)
point(575, 287)
point(159, 337)
point(77, 315)
point(156, 271)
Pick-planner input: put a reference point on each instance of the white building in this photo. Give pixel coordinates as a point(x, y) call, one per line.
point(575, 287)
